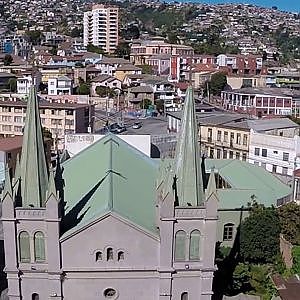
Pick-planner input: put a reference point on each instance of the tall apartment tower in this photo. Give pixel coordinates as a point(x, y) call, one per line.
point(100, 27)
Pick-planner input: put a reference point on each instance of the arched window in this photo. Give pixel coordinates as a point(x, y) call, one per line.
point(98, 255)
point(228, 232)
point(24, 245)
point(110, 254)
point(195, 245)
point(120, 255)
point(39, 247)
point(184, 296)
point(180, 243)
point(35, 296)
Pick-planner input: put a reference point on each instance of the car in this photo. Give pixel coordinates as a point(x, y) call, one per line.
point(137, 125)
point(117, 129)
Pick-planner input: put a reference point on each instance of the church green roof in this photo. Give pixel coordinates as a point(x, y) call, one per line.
point(247, 182)
point(109, 175)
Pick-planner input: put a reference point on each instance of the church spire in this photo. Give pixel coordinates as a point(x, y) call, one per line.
point(188, 180)
point(34, 173)
point(7, 185)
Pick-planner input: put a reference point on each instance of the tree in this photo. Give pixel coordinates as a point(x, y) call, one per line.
point(123, 50)
point(289, 215)
point(83, 89)
point(145, 103)
point(12, 84)
point(217, 83)
point(104, 91)
point(259, 237)
point(172, 38)
point(146, 69)
point(34, 36)
point(94, 49)
point(8, 60)
point(76, 32)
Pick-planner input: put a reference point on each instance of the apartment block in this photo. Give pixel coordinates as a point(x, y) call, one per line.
point(58, 118)
point(100, 27)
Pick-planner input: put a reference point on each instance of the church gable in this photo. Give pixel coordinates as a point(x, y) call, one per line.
point(110, 175)
point(110, 242)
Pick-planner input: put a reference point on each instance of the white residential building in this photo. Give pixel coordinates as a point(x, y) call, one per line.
point(61, 85)
point(26, 81)
point(277, 154)
point(100, 27)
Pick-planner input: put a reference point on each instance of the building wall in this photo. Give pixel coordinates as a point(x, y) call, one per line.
point(275, 146)
point(222, 142)
point(138, 270)
point(101, 27)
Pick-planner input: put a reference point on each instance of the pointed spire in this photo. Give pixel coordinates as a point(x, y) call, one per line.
point(33, 170)
point(51, 185)
point(187, 169)
point(211, 186)
point(7, 186)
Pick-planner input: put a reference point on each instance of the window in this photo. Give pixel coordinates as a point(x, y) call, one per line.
point(110, 254)
point(109, 293)
point(18, 128)
point(218, 153)
point(237, 155)
point(231, 154)
point(256, 151)
point(231, 137)
point(120, 255)
point(238, 138)
point(225, 136)
point(264, 165)
point(24, 245)
point(244, 156)
point(39, 247)
point(225, 154)
point(284, 170)
point(211, 153)
point(219, 134)
point(195, 245)
point(69, 112)
point(209, 136)
point(245, 140)
point(274, 168)
point(285, 156)
point(98, 255)
point(264, 152)
point(18, 119)
point(184, 296)
point(6, 118)
point(35, 296)
point(180, 241)
point(228, 232)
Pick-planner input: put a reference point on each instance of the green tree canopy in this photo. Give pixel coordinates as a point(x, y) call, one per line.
point(289, 215)
point(104, 91)
point(217, 83)
point(123, 50)
point(34, 36)
point(12, 85)
point(83, 89)
point(8, 60)
point(94, 49)
point(259, 237)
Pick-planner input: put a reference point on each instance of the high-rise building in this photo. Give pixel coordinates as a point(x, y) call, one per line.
point(101, 27)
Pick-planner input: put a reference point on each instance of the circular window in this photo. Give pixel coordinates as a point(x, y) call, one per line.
point(110, 293)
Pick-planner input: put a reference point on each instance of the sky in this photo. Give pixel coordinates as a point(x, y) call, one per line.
point(286, 5)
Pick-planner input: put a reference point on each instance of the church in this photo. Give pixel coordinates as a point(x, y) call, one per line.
point(111, 222)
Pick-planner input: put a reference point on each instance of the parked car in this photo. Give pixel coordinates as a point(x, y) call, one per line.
point(137, 125)
point(116, 128)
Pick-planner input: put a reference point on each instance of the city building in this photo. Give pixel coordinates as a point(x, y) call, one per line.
point(259, 102)
point(100, 27)
point(159, 229)
point(142, 51)
point(61, 85)
point(58, 118)
point(275, 145)
point(27, 80)
point(242, 64)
